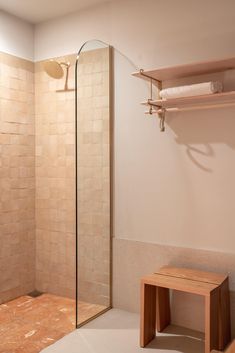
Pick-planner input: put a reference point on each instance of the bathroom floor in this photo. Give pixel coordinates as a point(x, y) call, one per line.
point(27, 325)
point(117, 331)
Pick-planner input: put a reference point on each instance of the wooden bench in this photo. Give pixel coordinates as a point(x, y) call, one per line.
point(155, 303)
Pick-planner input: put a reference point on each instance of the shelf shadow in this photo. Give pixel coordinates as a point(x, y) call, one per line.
point(199, 131)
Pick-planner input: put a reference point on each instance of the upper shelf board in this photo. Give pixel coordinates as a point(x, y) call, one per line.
point(180, 71)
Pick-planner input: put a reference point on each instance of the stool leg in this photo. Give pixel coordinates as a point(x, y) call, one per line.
point(224, 316)
point(163, 308)
point(147, 314)
point(212, 321)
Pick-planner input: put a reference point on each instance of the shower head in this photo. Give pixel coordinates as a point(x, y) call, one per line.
point(54, 68)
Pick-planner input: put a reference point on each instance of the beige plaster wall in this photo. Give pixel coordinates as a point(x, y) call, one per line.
point(17, 177)
point(17, 36)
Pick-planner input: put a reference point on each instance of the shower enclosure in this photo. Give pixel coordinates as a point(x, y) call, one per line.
point(93, 73)
point(55, 223)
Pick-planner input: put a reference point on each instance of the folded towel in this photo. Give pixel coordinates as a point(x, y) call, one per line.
point(197, 89)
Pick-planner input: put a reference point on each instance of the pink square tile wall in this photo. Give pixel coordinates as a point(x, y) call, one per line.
point(55, 180)
point(37, 179)
point(17, 177)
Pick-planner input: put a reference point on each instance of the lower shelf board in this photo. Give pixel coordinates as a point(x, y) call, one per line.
point(209, 101)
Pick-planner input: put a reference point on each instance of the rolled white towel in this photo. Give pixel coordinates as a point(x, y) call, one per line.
point(197, 89)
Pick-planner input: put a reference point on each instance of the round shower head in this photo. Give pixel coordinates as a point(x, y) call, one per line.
point(54, 69)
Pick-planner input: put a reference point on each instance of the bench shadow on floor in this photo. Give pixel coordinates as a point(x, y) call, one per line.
point(175, 338)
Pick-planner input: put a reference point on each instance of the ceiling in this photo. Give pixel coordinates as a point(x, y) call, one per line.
point(35, 11)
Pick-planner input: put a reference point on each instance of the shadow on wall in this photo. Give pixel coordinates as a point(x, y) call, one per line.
point(184, 302)
point(198, 131)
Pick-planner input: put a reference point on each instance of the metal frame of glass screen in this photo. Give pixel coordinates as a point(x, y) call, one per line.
point(111, 105)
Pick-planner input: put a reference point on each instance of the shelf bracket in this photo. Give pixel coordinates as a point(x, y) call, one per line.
point(152, 107)
point(162, 115)
point(149, 77)
point(151, 97)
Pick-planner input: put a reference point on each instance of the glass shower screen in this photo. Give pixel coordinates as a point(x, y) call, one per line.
point(93, 180)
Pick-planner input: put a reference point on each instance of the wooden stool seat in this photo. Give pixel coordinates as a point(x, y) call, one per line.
point(155, 303)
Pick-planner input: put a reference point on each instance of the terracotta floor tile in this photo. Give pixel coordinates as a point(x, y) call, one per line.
point(27, 325)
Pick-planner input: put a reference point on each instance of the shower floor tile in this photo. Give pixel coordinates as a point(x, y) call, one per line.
point(27, 325)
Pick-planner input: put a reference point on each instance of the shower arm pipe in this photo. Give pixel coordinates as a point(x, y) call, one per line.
point(67, 66)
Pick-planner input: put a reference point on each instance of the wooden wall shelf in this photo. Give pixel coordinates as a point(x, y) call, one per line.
point(214, 100)
point(180, 71)
point(161, 106)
